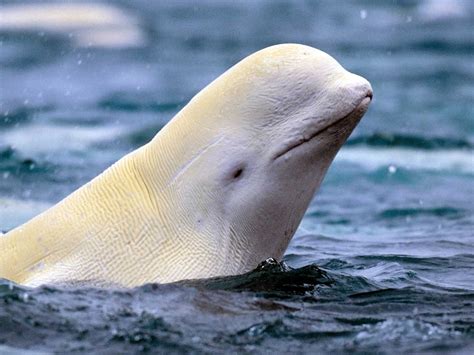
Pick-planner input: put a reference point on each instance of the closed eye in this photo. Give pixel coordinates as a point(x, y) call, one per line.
point(238, 173)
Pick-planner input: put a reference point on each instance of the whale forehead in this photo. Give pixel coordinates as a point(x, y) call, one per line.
point(272, 74)
point(283, 56)
point(273, 84)
point(293, 64)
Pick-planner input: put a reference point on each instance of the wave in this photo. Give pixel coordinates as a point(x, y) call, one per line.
point(433, 11)
point(415, 212)
point(85, 25)
point(14, 212)
point(442, 262)
point(327, 281)
point(269, 276)
point(407, 331)
point(272, 304)
point(20, 115)
point(12, 162)
point(394, 158)
point(123, 101)
point(54, 139)
point(379, 139)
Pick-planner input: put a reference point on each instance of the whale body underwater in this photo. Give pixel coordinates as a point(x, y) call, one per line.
point(222, 187)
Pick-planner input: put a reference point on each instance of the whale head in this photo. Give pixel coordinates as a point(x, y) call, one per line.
point(246, 155)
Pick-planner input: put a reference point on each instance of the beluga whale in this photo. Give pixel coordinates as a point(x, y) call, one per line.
point(222, 187)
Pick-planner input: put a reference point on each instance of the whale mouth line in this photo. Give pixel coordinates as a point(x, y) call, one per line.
point(364, 102)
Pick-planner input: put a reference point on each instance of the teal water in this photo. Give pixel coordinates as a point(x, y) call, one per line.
point(391, 229)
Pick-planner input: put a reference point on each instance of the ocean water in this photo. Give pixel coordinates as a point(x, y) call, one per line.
point(383, 261)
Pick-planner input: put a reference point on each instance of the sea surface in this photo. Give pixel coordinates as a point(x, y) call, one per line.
point(383, 261)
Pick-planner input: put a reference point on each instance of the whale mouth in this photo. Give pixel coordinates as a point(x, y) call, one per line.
point(358, 110)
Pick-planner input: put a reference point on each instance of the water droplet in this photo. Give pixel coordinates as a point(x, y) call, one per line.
point(363, 14)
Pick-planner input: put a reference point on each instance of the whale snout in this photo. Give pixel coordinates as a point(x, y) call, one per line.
point(366, 89)
point(363, 95)
point(360, 87)
point(369, 94)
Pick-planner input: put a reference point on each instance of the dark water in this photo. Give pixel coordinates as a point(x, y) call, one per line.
point(391, 229)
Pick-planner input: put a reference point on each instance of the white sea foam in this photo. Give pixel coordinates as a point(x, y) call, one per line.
point(402, 331)
point(436, 10)
point(7, 350)
point(456, 160)
point(14, 212)
point(41, 139)
point(86, 24)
